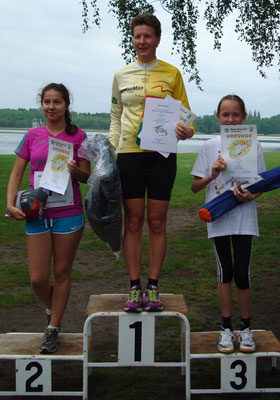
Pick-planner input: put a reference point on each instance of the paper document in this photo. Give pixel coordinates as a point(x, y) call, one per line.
point(56, 176)
point(159, 123)
point(239, 150)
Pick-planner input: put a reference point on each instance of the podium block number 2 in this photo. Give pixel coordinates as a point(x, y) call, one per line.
point(136, 339)
point(33, 377)
point(238, 374)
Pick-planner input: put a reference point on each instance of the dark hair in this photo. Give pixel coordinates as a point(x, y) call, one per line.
point(233, 97)
point(70, 128)
point(146, 19)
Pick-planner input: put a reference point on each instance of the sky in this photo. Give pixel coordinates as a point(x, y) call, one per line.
point(42, 41)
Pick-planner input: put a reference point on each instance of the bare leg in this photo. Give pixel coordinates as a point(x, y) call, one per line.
point(39, 249)
point(64, 250)
point(244, 302)
point(157, 216)
point(225, 299)
point(132, 240)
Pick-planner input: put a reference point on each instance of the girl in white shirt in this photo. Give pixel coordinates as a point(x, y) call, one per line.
point(235, 228)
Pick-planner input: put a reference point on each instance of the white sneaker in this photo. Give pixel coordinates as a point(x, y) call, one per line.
point(226, 341)
point(246, 340)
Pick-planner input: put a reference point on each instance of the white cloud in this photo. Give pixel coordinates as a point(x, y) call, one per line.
point(42, 42)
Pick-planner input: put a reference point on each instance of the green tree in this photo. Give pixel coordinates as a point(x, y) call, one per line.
point(257, 24)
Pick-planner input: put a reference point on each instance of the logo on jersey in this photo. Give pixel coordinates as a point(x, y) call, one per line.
point(159, 86)
point(131, 89)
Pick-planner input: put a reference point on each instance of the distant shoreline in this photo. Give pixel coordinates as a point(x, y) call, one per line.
point(3, 128)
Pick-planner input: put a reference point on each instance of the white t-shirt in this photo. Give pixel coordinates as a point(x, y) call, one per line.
point(241, 220)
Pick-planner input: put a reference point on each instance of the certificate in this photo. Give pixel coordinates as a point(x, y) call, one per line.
point(55, 199)
point(159, 123)
point(186, 116)
point(56, 176)
point(239, 150)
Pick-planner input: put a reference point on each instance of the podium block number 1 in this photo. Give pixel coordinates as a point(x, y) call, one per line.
point(33, 377)
point(136, 339)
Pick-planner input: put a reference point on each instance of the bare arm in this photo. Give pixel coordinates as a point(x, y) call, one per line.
point(13, 185)
point(200, 183)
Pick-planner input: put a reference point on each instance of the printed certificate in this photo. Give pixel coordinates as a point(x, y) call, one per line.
point(55, 199)
point(56, 176)
point(159, 123)
point(239, 150)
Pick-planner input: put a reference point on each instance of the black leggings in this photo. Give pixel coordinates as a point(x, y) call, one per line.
point(239, 267)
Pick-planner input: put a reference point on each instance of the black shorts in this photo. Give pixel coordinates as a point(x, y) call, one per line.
point(151, 172)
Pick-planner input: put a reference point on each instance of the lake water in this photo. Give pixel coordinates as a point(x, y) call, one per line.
point(9, 140)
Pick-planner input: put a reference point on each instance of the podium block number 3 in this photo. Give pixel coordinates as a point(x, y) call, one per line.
point(136, 339)
point(238, 374)
point(33, 377)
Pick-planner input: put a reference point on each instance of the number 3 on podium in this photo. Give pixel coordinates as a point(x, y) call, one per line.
point(238, 373)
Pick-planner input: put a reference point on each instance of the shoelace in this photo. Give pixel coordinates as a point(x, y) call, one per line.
point(226, 336)
point(245, 336)
point(152, 295)
point(134, 295)
point(49, 333)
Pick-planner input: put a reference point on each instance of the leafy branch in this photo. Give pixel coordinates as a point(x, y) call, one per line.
point(257, 24)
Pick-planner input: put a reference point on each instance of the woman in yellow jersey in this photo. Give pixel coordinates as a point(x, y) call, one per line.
point(144, 171)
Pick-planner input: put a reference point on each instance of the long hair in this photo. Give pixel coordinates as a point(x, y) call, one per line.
point(70, 128)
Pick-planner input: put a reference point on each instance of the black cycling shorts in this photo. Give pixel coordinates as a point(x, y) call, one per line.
point(147, 172)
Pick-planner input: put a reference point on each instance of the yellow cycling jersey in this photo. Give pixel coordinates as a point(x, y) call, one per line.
point(131, 85)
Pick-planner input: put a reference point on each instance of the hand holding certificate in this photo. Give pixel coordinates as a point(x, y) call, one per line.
point(160, 119)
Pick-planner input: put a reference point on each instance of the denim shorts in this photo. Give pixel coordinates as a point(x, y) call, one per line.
point(62, 225)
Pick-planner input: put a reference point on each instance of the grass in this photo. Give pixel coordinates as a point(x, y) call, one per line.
point(189, 269)
point(196, 252)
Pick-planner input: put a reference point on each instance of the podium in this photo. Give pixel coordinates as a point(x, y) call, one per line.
point(238, 370)
point(136, 334)
point(33, 370)
point(135, 348)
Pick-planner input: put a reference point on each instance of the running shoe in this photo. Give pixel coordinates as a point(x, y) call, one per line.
point(49, 344)
point(246, 341)
point(135, 300)
point(152, 301)
point(226, 341)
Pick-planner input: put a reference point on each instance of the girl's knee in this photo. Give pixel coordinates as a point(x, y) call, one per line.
point(37, 282)
point(62, 273)
point(242, 282)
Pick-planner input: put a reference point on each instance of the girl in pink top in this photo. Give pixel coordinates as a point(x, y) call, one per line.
point(57, 235)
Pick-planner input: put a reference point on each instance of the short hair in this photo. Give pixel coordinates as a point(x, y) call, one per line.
point(146, 19)
point(233, 97)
